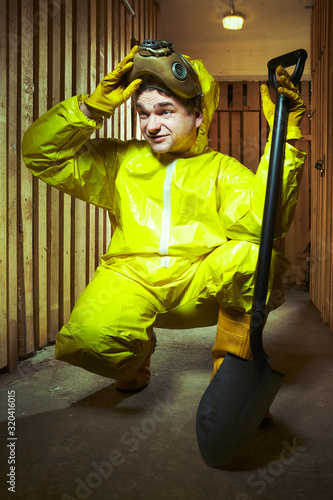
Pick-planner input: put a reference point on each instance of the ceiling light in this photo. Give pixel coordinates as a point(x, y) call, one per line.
point(232, 21)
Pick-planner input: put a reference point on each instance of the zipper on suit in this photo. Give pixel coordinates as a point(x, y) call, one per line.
point(166, 214)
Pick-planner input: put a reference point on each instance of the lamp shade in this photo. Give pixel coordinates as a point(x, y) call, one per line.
point(233, 22)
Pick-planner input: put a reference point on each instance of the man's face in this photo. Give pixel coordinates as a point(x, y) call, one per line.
point(166, 124)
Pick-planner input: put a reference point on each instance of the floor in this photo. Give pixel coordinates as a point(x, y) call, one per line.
point(78, 438)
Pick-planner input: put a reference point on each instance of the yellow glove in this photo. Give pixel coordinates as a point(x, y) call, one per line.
point(111, 92)
point(296, 104)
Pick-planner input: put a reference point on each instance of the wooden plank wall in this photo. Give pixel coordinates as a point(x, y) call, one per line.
point(239, 129)
point(51, 243)
point(321, 183)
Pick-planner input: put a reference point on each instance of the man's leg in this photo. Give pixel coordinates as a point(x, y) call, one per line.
point(109, 331)
point(233, 335)
point(229, 274)
point(141, 378)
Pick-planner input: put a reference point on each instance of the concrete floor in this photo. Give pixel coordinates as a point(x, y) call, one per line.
point(78, 438)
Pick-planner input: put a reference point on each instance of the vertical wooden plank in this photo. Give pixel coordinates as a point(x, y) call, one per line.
point(136, 36)
point(12, 180)
point(68, 49)
point(101, 58)
point(253, 96)
point(224, 133)
point(136, 26)
point(112, 126)
point(236, 135)
point(312, 180)
point(158, 20)
point(101, 69)
point(54, 197)
point(3, 191)
point(315, 198)
point(116, 58)
point(145, 20)
point(324, 264)
point(40, 258)
point(328, 179)
point(330, 145)
point(128, 35)
point(251, 127)
point(68, 91)
point(302, 213)
point(236, 120)
point(237, 96)
point(81, 79)
point(296, 238)
point(251, 154)
point(108, 59)
point(93, 63)
point(315, 185)
point(322, 190)
point(153, 20)
point(26, 188)
point(141, 10)
point(122, 48)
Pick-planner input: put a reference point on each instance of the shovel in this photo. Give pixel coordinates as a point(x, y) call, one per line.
point(241, 392)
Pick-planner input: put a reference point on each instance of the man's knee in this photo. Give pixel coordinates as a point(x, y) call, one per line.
point(111, 353)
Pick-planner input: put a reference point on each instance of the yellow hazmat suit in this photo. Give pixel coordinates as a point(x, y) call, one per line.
point(185, 231)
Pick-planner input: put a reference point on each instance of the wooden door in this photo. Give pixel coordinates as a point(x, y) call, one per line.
point(321, 276)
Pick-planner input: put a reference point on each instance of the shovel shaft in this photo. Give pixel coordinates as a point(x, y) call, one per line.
point(268, 228)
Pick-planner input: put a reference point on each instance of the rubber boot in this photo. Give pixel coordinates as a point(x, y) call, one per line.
point(233, 335)
point(141, 378)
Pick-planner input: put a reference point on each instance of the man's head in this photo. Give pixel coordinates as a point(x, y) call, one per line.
point(169, 98)
point(166, 123)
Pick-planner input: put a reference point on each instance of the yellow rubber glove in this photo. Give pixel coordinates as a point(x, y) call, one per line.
point(111, 92)
point(296, 104)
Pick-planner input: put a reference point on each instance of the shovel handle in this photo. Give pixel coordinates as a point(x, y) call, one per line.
point(275, 168)
point(298, 58)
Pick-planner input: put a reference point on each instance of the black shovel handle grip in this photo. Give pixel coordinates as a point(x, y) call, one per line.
point(298, 58)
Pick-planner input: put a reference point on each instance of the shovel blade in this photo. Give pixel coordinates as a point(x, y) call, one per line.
point(233, 407)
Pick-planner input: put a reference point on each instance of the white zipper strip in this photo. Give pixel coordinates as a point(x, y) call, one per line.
point(166, 214)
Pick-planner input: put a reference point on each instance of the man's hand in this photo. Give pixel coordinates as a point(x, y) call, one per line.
point(111, 91)
point(296, 104)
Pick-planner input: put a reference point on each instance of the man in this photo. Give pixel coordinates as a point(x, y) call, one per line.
point(186, 220)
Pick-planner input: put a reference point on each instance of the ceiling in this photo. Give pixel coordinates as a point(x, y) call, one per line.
point(271, 28)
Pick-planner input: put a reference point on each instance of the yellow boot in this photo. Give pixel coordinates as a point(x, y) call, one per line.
point(233, 335)
point(141, 378)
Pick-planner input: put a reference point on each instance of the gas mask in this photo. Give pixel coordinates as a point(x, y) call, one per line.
point(156, 59)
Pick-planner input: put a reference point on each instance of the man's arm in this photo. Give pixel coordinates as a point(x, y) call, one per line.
point(57, 147)
point(58, 150)
point(243, 194)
